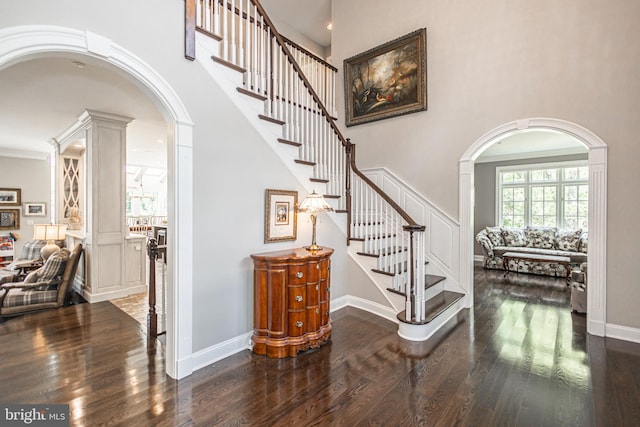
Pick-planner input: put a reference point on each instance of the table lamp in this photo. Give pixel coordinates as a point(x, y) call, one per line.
point(314, 204)
point(50, 233)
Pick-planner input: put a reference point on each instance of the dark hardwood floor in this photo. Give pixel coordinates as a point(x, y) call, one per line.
point(519, 358)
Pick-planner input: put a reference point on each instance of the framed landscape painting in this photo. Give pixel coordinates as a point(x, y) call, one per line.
point(280, 220)
point(387, 81)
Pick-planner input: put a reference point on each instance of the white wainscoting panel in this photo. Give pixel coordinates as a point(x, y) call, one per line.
point(442, 234)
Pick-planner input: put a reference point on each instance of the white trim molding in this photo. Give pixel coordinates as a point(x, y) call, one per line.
point(22, 43)
point(624, 333)
point(597, 256)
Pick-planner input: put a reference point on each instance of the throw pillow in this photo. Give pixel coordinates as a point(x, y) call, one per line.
point(495, 235)
point(34, 276)
point(541, 237)
point(513, 237)
point(584, 242)
point(568, 240)
point(54, 267)
point(31, 249)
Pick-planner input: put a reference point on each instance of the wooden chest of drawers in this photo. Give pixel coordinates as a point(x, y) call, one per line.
point(291, 301)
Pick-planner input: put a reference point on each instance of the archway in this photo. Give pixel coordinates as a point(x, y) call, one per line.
point(22, 43)
point(597, 256)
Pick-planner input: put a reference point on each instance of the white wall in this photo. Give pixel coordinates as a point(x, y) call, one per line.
point(493, 62)
point(33, 177)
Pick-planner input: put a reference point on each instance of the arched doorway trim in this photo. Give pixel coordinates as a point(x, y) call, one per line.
point(21, 43)
point(597, 255)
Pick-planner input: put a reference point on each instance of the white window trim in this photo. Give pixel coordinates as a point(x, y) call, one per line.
point(559, 183)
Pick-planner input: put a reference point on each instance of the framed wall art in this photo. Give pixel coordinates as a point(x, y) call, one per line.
point(9, 219)
point(34, 209)
point(280, 219)
point(9, 197)
point(387, 81)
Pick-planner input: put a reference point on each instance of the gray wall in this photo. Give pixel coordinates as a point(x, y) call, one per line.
point(492, 62)
point(33, 177)
point(485, 188)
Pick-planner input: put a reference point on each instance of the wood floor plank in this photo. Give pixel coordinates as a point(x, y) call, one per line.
point(519, 357)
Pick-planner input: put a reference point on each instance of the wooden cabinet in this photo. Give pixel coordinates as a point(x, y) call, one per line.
point(291, 293)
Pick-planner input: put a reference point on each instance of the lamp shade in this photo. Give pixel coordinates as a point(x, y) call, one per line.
point(49, 231)
point(314, 203)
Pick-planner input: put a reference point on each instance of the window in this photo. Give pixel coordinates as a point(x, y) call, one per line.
point(549, 195)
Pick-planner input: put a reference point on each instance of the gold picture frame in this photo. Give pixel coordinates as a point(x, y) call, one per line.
point(9, 219)
point(387, 81)
point(280, 219)
point(10, 197)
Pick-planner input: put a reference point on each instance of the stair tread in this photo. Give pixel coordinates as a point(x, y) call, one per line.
point(304, 162)
point(271, 119)
point(289, 142)
point(318, 179)
point(402, 267)
point(434, 307)
point(385, 251)
point(228, 64)
point(251, 93)
point(430, 281)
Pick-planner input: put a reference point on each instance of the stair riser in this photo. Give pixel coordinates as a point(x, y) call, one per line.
point(424, 332)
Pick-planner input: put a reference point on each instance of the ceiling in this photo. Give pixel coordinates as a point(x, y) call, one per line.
point(308, 17)
point(41, 98)
point(531, 144)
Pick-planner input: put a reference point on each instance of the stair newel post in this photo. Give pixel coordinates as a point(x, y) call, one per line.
point(190, 29)
point(152, 316)
point(349, 149)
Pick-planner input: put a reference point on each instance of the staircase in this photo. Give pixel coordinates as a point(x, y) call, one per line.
point(294, 91)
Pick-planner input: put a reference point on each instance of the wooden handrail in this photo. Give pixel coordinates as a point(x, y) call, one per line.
point(311, 54)
point(412, 224)
point(345, 143)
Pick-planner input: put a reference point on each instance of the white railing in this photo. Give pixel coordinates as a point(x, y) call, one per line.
point(297, 88)
point(397, 243)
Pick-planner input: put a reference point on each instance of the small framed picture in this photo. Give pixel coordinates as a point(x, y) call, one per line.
point(34, 209)
point(280, 221)
point(9, 219)
point(9, 197)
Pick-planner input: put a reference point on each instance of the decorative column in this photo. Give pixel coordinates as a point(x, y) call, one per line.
point(106, 228)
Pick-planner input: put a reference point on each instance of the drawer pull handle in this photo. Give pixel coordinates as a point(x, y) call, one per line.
point(317, 310)
point(299, 298)
point(299, 323)
point(317, 266)
point(299, 274)
point(317, 287)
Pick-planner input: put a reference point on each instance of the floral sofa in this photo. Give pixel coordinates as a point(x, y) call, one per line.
point(496, 241)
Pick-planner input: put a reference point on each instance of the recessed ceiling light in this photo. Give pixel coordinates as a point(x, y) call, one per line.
point(330, 26)
point(77, 145)
point(78, 64)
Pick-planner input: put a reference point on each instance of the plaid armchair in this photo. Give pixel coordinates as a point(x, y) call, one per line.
point(48, 287)
point(30, 251)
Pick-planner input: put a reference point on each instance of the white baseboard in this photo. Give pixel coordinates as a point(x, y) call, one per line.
point(624, 333)
point(217, 352)
point(366, 305)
